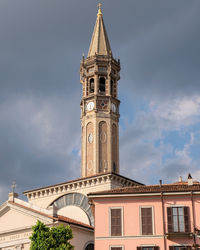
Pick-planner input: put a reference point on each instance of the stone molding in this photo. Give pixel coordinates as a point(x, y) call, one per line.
point(77, 185)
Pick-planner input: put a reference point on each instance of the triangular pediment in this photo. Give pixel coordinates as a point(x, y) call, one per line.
point(16, 217)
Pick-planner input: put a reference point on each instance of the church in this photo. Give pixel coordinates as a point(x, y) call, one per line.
point(67, 203)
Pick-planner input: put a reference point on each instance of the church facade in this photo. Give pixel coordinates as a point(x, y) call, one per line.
point(67, 202)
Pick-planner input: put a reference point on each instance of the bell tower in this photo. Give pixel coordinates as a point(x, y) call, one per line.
point(99, 76)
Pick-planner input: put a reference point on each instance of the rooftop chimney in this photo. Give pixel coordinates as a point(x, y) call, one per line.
point(160, 182)
point(180, 179)
point(190, 180)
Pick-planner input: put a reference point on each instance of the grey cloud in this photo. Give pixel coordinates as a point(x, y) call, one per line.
point(29, 153)
point(165, 59)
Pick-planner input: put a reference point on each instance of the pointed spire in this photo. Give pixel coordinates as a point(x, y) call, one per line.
point(99, 44)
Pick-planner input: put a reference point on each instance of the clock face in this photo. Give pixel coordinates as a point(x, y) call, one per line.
point(90, 106)
point(113, 107)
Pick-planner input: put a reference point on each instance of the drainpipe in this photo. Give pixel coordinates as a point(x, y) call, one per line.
point(163, 218)
point(194, 221)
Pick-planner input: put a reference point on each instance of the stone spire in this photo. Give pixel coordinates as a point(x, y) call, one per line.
point(99, 44)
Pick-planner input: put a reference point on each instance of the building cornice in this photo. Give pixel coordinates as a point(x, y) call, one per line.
point(93, 195)
point(76, 185)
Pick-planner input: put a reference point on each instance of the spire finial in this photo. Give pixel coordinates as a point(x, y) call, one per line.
point(99, 11)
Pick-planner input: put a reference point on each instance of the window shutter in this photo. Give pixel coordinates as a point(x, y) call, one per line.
point(171, 248)
point(147, 227)
point(170, 220)
point(139, 248)
point(186, 219)
point(156, 248)
point(116, 224)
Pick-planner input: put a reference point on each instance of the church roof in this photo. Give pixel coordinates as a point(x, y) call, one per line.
point(99, 44)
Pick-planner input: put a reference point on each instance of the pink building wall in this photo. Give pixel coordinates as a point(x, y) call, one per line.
point(132, 237)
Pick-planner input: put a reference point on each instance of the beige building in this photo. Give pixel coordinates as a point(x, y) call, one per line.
point(17, 218)
point(67, 202)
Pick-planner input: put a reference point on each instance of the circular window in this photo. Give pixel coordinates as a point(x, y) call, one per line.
point(90, 247)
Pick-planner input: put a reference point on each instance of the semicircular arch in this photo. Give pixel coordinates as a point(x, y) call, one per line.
point(75, 199)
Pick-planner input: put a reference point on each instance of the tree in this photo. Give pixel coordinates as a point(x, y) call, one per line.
point(54, 238)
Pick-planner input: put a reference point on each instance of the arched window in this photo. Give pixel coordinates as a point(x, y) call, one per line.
point(90, 246)
point(92, 85)
point(111, 87)
point(102, 85)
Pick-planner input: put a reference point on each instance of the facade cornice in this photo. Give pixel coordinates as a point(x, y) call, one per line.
point(4, 209)
point(186, 193)
point(76, 185)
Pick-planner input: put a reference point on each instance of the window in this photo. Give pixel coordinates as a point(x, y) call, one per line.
point(116, 221)
point(179, 247)
point(148, 248)
point(102, 84)
point(146, 221)
point(116, 248)
point(178, 219)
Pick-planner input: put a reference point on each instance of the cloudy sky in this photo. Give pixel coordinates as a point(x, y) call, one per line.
point(42, 42)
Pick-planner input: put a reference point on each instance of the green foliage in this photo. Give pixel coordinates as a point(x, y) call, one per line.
point(55, 238)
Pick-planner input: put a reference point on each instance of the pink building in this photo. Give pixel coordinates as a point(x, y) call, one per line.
point(165, 216)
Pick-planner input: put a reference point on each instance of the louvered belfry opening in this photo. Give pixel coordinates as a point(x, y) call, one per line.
point(146, 218)
point(116, 222)
point(92, 85)
point(178, 219)
point(102, 85)
point(111, 87)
